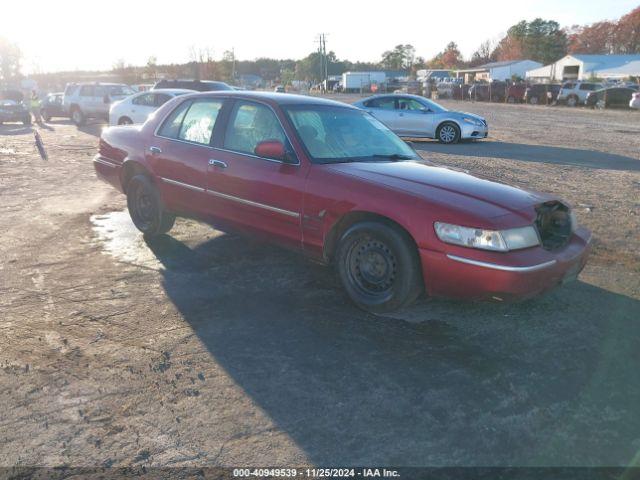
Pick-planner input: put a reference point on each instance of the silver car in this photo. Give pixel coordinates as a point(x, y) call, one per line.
point(418, 117)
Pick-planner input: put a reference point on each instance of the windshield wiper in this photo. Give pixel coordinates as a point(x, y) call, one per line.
point(394, 156)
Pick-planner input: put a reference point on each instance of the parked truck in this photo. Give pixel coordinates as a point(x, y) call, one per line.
point(362, 81)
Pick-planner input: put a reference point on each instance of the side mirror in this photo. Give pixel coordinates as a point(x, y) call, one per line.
point(425, 110)
point(273, 149)
point(106, 99)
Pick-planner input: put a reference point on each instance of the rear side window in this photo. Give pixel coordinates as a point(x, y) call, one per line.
point(171, 126)
point(588, 86)
point(197, 125)
point(568, 85)
point(383, 103)
point(146, 100)
point(86, 91)
point(250, 124)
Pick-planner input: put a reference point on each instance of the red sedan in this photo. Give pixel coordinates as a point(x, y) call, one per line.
point(331, 181)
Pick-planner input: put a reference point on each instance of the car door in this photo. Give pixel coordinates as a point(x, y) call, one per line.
point(252, 192)
point(384, 109)
point(414, 118)
point(100, 107)
point(180, 151)
point(141, 107)
point(86, 99)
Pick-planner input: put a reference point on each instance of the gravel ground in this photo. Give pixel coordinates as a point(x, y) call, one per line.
point(204, 349)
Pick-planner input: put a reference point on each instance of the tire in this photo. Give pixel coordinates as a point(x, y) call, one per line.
point(533, 100)
point(146, 209)
point(448, 133)
point(378, 266)
point(600, 105)
point(572, 101)
point(511, 99)
point(125, 121)
point(26, 121)
point(45, 116)
point(77, 117)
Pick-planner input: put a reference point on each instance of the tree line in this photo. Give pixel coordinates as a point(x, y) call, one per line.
point(540, 40)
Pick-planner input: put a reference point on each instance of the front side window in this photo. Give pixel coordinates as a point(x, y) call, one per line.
point(409, 104)
point(337, 134)
point(197, 125)
point(161, 99)
point(251, 123)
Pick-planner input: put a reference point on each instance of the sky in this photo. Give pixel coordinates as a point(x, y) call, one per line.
point(94, 35)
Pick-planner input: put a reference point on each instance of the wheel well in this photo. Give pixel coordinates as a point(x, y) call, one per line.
point(351, 218)
point(445, 122)
point(130, 170)
point(122, 118)
point(74, 106)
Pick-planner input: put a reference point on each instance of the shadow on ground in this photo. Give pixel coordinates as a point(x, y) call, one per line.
point(548, 382)
point(535, 153)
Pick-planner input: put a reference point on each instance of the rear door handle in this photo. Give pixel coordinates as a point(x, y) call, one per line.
point(155, 150)
point(217, 163)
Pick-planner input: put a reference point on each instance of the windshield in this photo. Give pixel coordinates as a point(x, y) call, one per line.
point(433, 106)
point(120, 90)
point(336, 134)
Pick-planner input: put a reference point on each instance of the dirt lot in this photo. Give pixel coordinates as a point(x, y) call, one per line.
point(207, 349)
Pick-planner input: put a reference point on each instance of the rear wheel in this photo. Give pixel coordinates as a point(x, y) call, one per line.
point(146, 209)
point(533, 100)
point(46, 116)
point(511, 99)
point(125, 121)
point(26, 121)
point(378, 266)
point(448, 133)
point(572, 101)
point(77, 116)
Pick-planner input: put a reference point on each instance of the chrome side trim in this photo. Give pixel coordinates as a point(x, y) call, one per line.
point(102, 161)
point(244, 201)
point(181, 184)
point(504, 268)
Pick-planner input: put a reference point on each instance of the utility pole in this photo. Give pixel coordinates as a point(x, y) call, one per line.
point(324, 61)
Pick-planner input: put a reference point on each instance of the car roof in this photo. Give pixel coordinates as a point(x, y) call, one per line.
point(392, 95)
point(169, 90)
point(274, 98)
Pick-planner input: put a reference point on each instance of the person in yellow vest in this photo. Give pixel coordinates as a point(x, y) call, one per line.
point(35, 107)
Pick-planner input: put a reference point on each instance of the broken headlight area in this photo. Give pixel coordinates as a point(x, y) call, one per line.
point(555, 223)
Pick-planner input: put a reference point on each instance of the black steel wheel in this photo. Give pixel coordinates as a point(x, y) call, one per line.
point(378, 266)
point(146, 209)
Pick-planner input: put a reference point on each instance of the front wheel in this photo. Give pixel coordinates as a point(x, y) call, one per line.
point(379, 267)
point(146, 209)
point(572, 101)
point(448, 133)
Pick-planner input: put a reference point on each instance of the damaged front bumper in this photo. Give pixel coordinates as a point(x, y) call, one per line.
point(475, 274)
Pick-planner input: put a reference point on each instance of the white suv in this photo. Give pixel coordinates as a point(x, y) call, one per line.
point(575, 93)
point(92, 100)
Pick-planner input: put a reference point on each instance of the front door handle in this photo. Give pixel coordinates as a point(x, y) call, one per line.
point(217, 163)
point(155, 150)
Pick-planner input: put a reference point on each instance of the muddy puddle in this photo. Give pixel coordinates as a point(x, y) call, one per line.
point(119, 238)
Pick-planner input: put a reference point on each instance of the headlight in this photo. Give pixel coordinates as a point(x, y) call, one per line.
point(472, 121)
point(497, 240)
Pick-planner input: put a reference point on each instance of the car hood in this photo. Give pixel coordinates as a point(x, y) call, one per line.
point(441, 184)
point(462, 115)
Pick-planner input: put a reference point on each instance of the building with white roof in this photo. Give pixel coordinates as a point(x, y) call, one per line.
point(586, 66)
